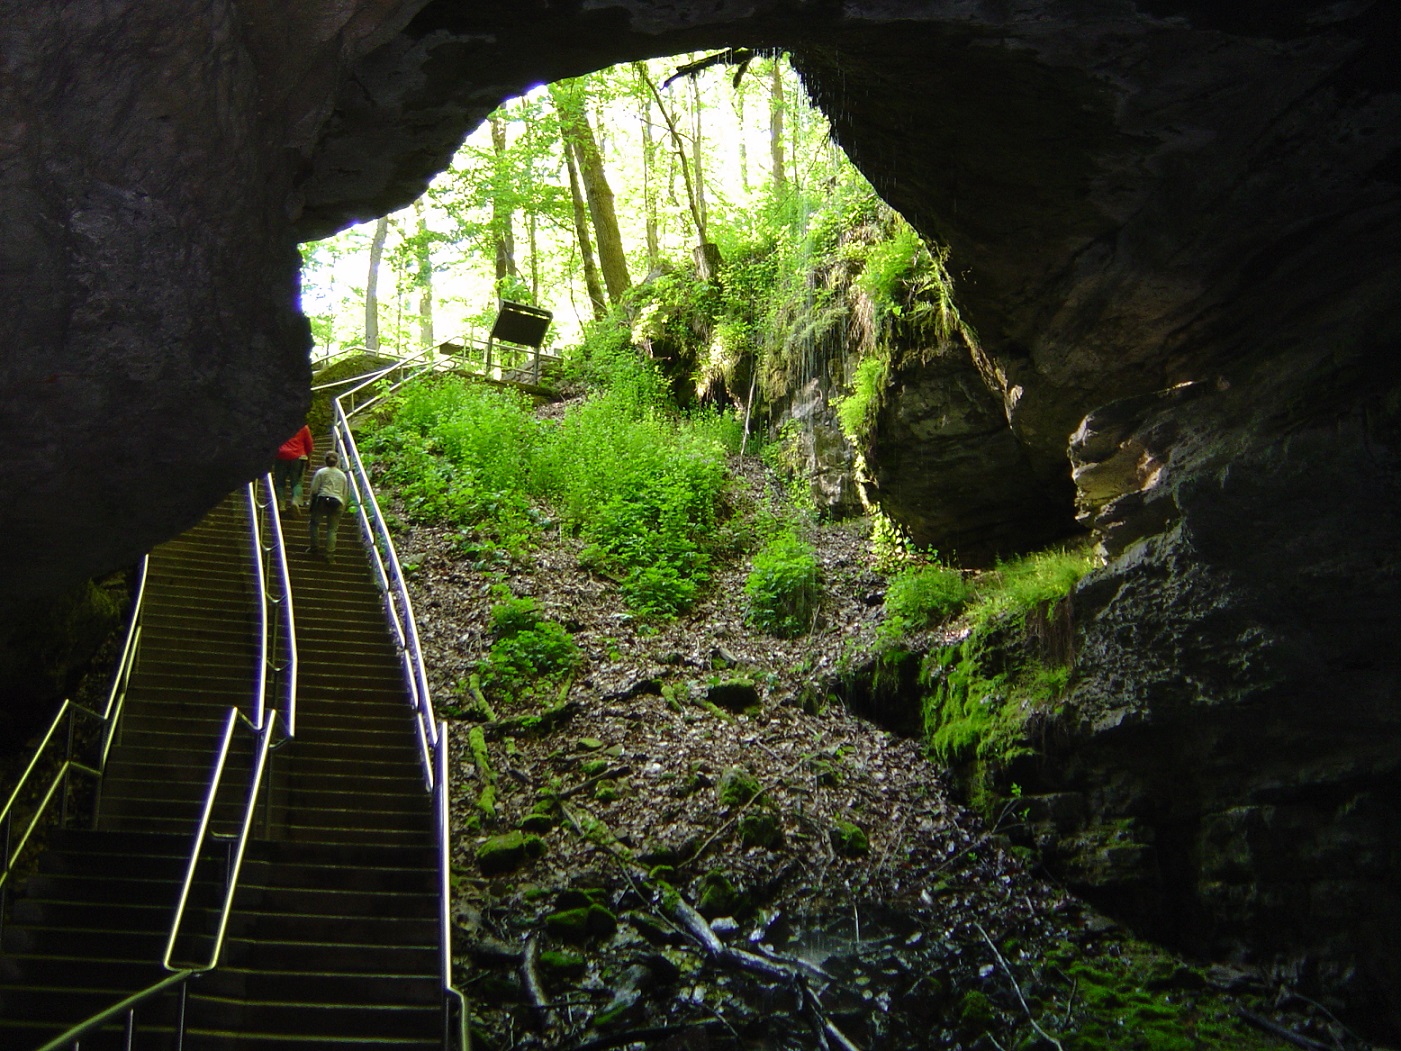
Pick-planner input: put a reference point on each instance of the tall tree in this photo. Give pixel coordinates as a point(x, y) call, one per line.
point(698, 156)
point(777, 105)
point(503, 230)
point(423, 252)
point(592, 281)
point(372, 285)
point(678, 143)
point(649, 166)
point(570, 100)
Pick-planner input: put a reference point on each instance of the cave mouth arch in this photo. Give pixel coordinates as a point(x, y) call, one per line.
point(1006, 496)
point(1136, 197)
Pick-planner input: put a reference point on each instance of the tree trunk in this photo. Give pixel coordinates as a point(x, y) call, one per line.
point(424, 253)
point(678, 143)
point(569, 101)
point(372, 285)
point(503, 233)
point(649, 178)
point(592, 281)
point(776, 108)
point(698, 158)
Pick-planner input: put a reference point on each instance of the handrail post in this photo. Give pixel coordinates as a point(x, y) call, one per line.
point(67, 769)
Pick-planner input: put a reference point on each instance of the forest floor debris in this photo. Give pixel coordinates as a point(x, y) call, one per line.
point(771, 874)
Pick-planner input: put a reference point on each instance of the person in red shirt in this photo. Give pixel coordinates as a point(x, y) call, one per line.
point(292, 459)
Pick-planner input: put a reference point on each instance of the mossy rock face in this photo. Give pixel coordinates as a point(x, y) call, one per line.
point(736, 787)
point(590, 744)
point(508, 852)
point(537, 823)
point(578, 925)
point(718, 896)
point(761, 830)
point(594, 767)
point(566, 966)
point(734, 695)
point(607, 791)
point(849, 840)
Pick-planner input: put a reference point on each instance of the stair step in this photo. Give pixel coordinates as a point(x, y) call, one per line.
point(324, 1021)
point(278, 952)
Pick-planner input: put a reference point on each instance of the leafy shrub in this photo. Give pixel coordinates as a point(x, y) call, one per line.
point(526, 647)
point(919, 596)
point(782, 588)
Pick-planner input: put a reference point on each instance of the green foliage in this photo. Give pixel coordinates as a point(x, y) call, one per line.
point(985, 690)
point(459, 452)
point(526, 647)
point(1016, 587)
point(920, 596)
point(857, 411)
point(782, 589)
point(640, 483)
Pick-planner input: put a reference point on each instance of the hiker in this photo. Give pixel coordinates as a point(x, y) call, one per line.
point(291, 462)
point(329, 493)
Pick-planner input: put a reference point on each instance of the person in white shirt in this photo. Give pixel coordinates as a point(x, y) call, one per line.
point(329, 494)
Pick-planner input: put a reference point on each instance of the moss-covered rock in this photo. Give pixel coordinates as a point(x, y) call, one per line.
point(736, 787)
point(718, 896)
point(849, 840)
point(506, 853)
point(579, 924)
point(738, 694)
point(761, 830)
point(566, 966)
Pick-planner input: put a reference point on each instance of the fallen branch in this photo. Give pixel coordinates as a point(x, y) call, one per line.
point(1283, 1032)
point(647, 1036)
point(779, 967)
point(611, 772)
point(530, 982)
point(1018, 989)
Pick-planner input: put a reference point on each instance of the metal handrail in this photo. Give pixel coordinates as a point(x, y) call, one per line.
point(116, 699)
point(71, 1037)
point(255, 781)
point(432, 735)
point(284, 626)
point(260, 679)
point(441, 811)
point(182, 973)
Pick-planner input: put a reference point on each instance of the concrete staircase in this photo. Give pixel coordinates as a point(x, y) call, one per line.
point(333, 939)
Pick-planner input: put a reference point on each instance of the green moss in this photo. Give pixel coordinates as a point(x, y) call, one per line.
point(718, 896)
point(581, 923)
point(1011, 670)
point(565, 965)
point(736, 787)
point(1129, 995)
point(504, 853)
point(849, 840)
point(761, 830)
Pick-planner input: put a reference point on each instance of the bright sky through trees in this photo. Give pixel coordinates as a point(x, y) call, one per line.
point(736, 167)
